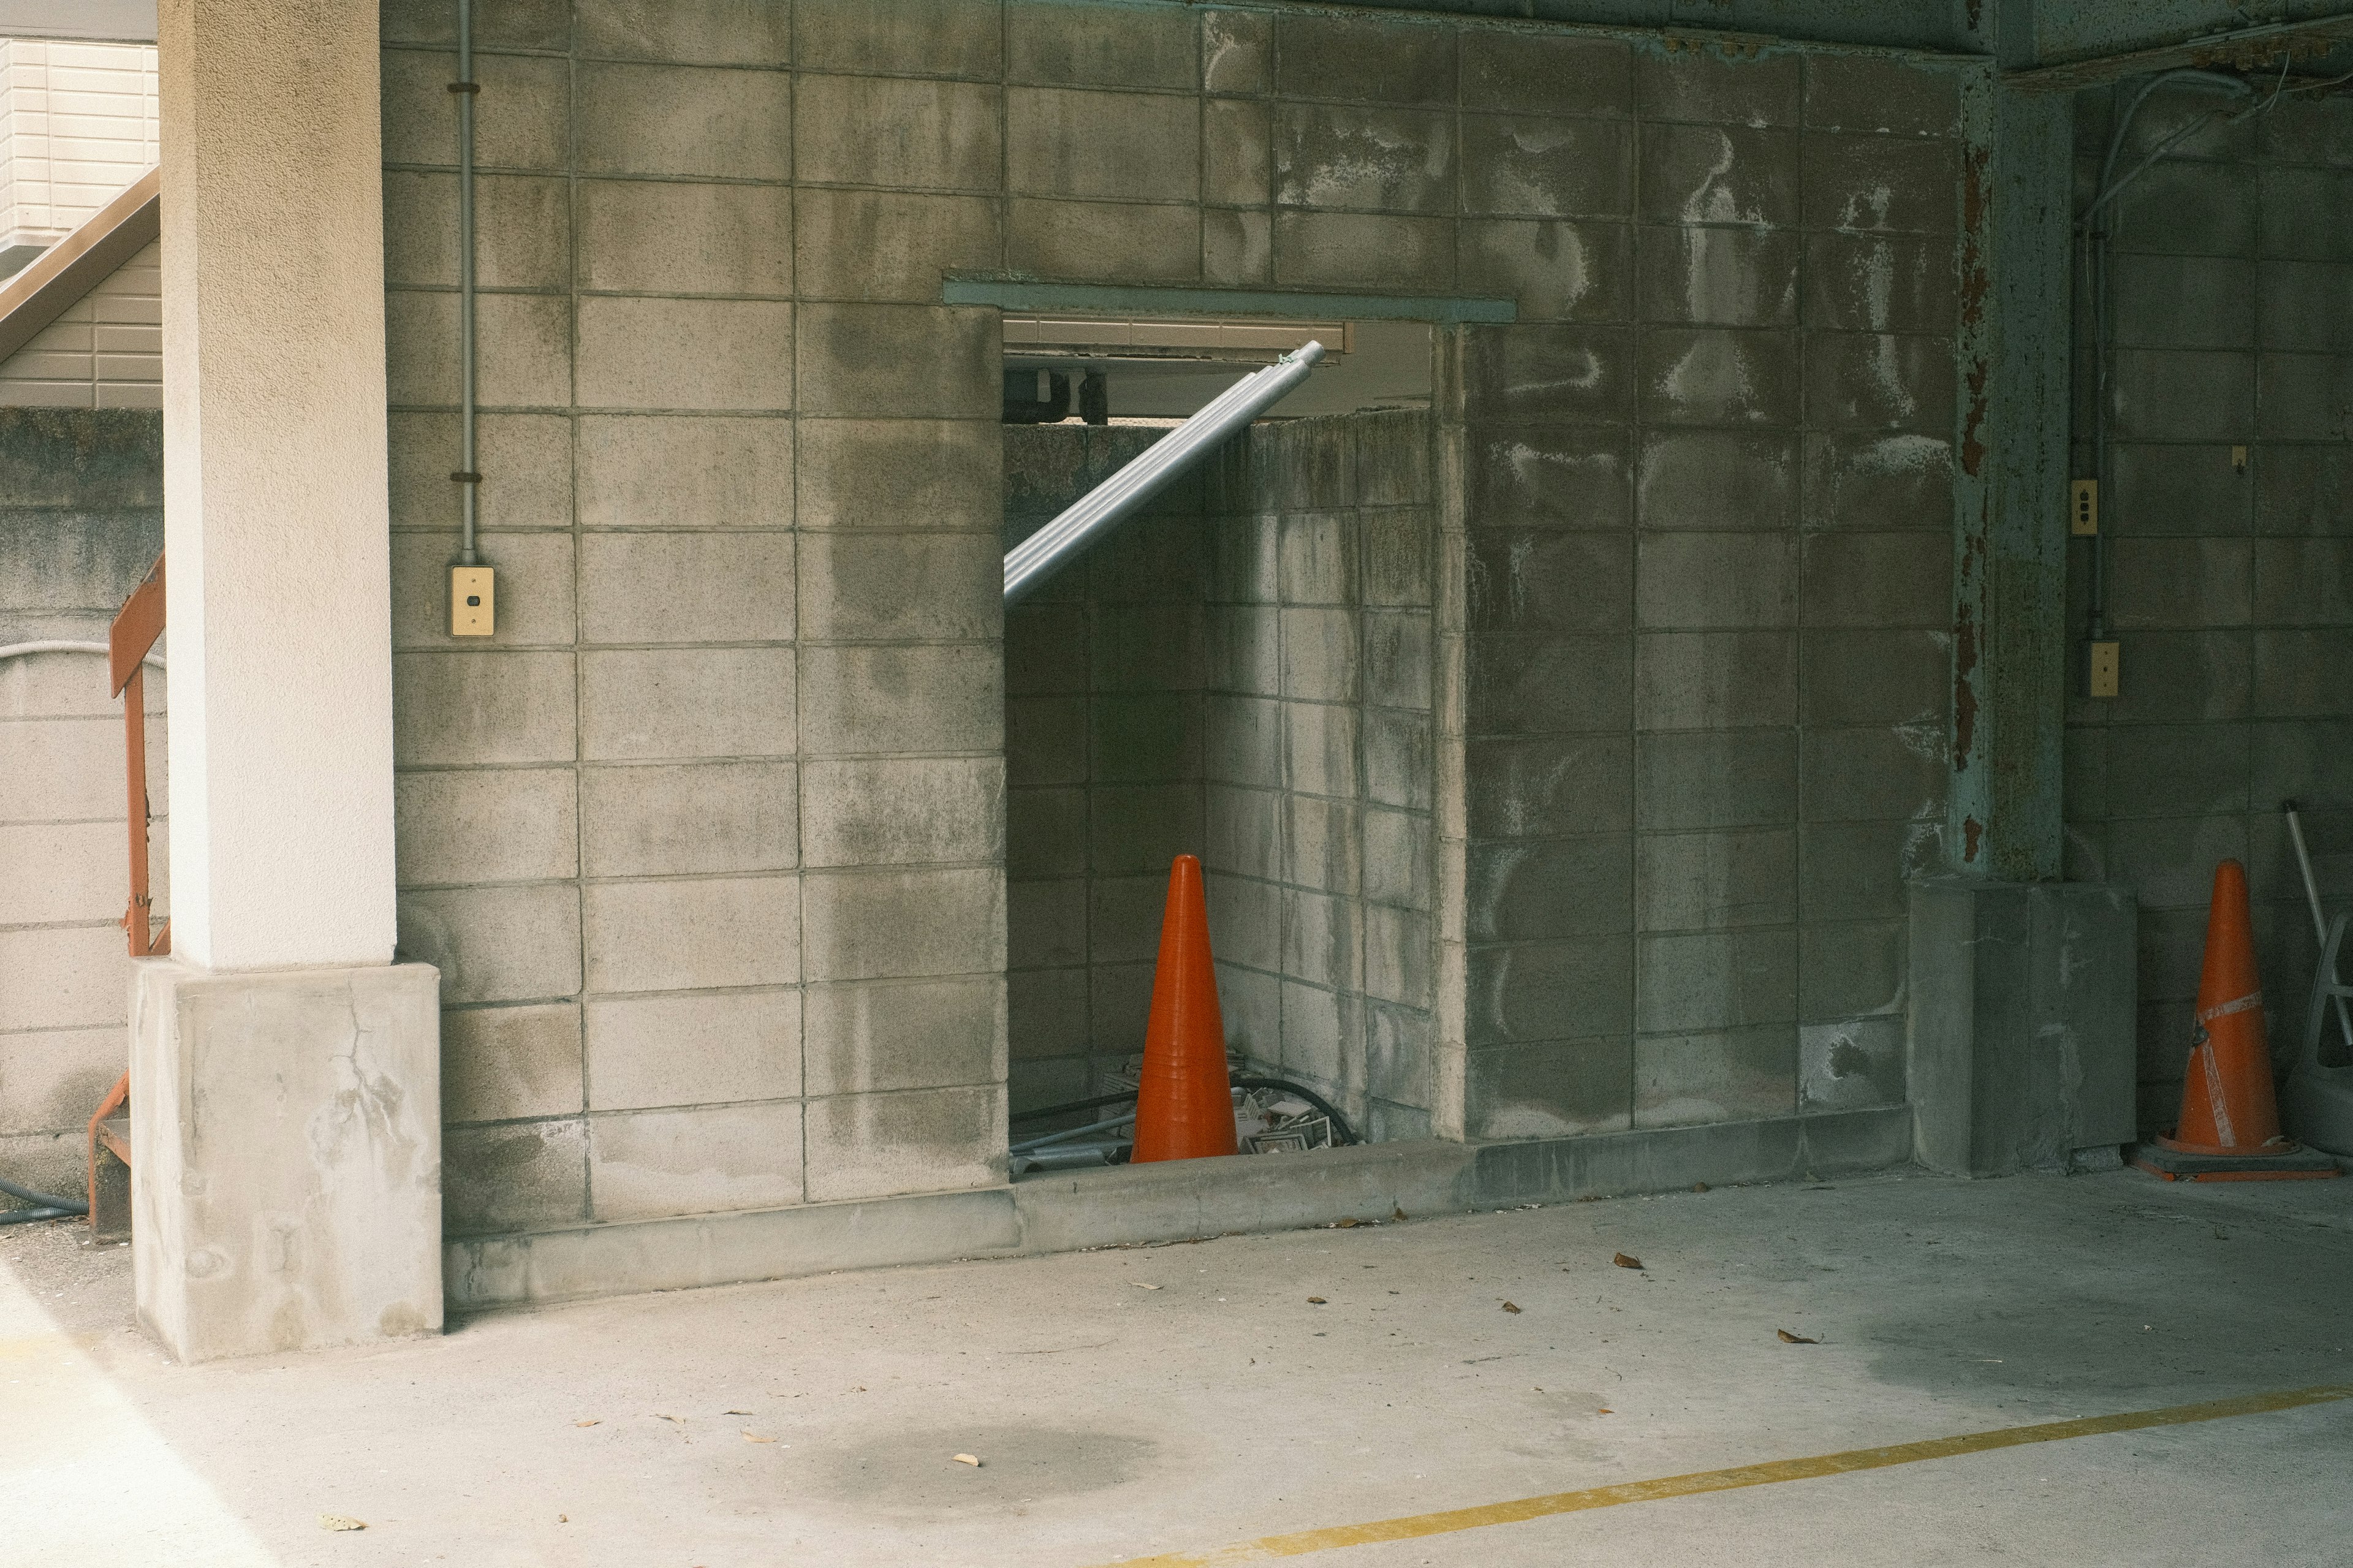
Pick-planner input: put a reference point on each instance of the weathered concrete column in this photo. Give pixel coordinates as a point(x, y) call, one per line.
point(285, 1082)
point(2009, 617)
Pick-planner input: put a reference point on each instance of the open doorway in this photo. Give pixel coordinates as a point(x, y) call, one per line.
point(1244, 671)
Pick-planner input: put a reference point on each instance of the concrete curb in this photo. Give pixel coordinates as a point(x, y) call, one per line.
point(1135, 1204)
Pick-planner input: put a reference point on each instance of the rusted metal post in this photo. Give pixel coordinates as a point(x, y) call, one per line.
point(128, 641)
point(2009, 578)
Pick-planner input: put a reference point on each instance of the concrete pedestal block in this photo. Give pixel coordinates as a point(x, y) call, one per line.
point(2022, 1001)
point(286, 1171)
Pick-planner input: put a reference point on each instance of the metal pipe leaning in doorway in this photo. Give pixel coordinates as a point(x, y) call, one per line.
point(1044, 553)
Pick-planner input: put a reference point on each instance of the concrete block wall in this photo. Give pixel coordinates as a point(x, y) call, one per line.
point(1321, 760)
point(2227, 587)
point(1105, 742)
point(82, 517)
point(1708, 588)
point(708, 840)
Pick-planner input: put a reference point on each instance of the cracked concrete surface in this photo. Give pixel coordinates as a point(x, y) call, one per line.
point(1148, 1400)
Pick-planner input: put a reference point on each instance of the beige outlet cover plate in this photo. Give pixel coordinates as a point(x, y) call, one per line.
point(2105, 675)
point(473, 604)
point(2084, 507)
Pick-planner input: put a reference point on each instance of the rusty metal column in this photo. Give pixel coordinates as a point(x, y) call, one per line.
point(2009, 581)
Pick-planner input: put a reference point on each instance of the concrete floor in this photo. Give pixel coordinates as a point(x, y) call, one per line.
point(1127, 1403)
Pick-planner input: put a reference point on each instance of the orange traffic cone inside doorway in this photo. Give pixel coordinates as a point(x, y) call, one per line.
point(2229, 1129)
point(1185, 1103)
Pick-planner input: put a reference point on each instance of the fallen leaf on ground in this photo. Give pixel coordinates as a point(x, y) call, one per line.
point(1790, 1339)
point(755, 1438)
point(735, 1413)
point(1509, 1307)
point(681, 1420)
point(1699, 1186)
point(1142, 1285)
point(1623, 1261)
point(968, 1459)
point(564, 1519)
point(1349, 1224)
point(597, 1422)
point(341, 1521)
point(1605, 1410)
point(1315, 1301)
point(1396, 1212)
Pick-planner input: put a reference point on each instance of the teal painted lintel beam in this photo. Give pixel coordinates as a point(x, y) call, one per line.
point(1099, 299)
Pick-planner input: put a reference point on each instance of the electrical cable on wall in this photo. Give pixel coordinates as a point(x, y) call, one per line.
point(472, 608)
point(2095, 225)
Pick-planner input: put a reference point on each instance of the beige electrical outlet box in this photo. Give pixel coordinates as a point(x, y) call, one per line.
point(2105, 674)
point(2084, 507)
point(473, 605)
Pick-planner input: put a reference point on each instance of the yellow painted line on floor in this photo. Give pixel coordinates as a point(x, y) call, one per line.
point(1414, 1526)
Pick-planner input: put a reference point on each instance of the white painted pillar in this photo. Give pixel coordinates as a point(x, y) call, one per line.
point(274, 500)
point(284, 1071)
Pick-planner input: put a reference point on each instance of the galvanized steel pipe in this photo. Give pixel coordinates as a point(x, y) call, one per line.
point(1044, 553)
point(469, 476)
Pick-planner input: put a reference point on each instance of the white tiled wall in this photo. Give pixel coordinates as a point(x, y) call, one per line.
point(78, 123)
point(105, 351)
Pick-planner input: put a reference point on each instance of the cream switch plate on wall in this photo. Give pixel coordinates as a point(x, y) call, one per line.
point(472, 604)
point(2102, 678)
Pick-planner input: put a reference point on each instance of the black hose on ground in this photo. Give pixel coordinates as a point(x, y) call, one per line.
point(28, 1216)
point(1342, 1134)
point(41, 1199)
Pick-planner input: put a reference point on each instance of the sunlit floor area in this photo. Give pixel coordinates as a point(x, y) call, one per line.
point(1319, 1393)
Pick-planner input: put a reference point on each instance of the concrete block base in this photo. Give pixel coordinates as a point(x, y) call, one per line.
point(1068, 1211)
point(286, 1142)
point(2022, 1049)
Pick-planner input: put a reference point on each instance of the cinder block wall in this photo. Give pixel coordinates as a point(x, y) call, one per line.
point(709, 839)
point(1104, 669)
point(82, 517)
point(1709, 588)
point(1320, 770)
point(2228, 589)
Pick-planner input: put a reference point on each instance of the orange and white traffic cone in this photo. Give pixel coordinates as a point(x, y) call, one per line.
point(2230, 1130)
point(1185, 1101)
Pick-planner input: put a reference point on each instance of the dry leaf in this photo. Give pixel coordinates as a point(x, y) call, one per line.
point(1316, 1301)
point(589, 1423)
point(1347, 1225)
point(1396, 1212)
point(341, 1521)
point(1509, 1307)
point(1623, 1261)
point(1142, 1285)
point(564, 1519)
point(967, 1459)
point(1699, 1186)
point(735, 1413)
point(755, 1438)
point(1790, 1339)
point(1605, 1410)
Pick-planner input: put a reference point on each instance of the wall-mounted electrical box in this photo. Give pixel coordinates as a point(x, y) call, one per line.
point(472, 604)
point(2103, 675)
point(2084, 507)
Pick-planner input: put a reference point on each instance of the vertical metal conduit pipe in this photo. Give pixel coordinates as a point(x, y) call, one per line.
point(1044, 553)
point(468, 477)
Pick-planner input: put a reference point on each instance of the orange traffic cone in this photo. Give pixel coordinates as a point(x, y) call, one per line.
point(2229, 1129)
point(1185, 1103)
